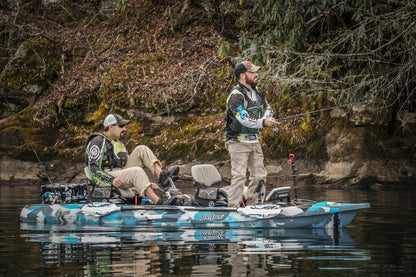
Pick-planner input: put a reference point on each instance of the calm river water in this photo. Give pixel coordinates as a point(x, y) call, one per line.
point(381, 241)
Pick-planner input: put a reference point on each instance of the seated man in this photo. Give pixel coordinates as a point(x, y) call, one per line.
point(109, 162)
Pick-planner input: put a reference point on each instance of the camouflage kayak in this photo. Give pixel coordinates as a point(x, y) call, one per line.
point(72, 204)
point(317, 215)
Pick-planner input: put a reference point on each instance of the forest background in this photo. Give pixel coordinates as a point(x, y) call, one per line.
point(168, 67)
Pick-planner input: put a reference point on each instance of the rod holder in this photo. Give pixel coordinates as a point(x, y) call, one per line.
point(291, 161)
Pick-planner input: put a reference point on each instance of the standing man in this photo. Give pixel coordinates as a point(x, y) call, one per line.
point(247, 112)
point(110, 164)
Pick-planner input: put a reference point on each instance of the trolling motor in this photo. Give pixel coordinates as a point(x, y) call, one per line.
point(292, 162)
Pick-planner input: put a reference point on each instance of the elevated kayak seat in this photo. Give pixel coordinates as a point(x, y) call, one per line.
point(205, 177)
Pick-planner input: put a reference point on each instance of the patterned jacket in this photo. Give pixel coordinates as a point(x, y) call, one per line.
point(104, 153)
point(245, 114)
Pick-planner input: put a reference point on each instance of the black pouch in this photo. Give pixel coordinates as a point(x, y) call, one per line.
point(98, 194)
point(206, 196)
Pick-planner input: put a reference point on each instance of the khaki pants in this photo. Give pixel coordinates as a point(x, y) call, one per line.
point(245, 156)
point(133, 173)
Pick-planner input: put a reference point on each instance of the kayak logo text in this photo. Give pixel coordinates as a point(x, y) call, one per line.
point(212, 217)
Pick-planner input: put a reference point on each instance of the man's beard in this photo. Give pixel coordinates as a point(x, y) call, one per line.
point(252, 82)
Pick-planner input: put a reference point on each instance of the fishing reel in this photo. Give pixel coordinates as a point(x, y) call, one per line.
point(275, 128)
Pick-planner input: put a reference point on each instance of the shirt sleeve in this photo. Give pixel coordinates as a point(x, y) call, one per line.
point(96, 149)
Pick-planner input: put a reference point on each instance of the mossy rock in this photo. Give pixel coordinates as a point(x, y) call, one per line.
point(38, 63)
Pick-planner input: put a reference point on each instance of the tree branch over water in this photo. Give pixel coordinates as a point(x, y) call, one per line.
point(349, 49)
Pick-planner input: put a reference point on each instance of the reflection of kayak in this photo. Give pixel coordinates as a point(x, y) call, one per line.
point(70, 205)
point(319, 215)
point(281, 246)
point(250, 239)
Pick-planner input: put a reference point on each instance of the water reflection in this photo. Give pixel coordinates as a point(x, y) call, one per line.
point(381, 241)
point(158, 251)
point(149, 235)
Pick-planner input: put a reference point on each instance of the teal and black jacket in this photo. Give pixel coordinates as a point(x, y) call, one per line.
point(245, 115)
point(104, 153)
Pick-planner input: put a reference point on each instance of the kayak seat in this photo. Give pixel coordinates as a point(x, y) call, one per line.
point(206, 174)
point(112, 194)
point(225, 190)
point(205, 177)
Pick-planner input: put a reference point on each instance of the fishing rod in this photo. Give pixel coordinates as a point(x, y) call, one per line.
point(27, 138)
point(317, 111)
point(274, 129)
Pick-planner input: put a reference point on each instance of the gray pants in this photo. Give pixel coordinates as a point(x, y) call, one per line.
point(245, 156)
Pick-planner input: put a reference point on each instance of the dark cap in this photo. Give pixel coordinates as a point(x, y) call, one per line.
point(245, 66)
point(113, 119)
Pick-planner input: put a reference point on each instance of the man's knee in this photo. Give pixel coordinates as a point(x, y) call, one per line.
point(142, 148)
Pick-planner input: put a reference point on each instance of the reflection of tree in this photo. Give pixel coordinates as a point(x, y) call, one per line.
point(141, 262)
point(246, 264)
point(100, 263)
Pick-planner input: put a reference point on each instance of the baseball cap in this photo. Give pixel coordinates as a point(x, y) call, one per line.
point(245, 66)
point(112, 119)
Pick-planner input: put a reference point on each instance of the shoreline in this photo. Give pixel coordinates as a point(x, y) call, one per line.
point(377, 174)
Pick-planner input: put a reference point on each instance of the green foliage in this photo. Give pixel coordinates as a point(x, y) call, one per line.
point(314, 54)
point(353, 50)
point(173, 11)
point(123, 5)
point(270, 22)
point(226, 49)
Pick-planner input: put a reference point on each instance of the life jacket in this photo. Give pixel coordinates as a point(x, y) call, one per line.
point(115, 156)
point(233, 128)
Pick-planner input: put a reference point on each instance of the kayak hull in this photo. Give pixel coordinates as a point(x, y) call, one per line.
point(319, 215)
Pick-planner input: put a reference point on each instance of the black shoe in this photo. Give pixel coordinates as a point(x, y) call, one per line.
point(166, 174)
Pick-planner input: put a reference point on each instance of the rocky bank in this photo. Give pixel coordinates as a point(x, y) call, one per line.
point(352, 174)
point(351, 162)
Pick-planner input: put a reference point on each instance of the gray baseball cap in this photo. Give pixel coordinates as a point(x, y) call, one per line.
point(113, 119)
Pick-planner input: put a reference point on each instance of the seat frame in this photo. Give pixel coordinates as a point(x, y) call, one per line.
point(112, 194)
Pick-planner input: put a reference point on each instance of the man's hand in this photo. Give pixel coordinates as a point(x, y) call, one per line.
point(154, 186)
point(118, 183)
point(270, 122)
